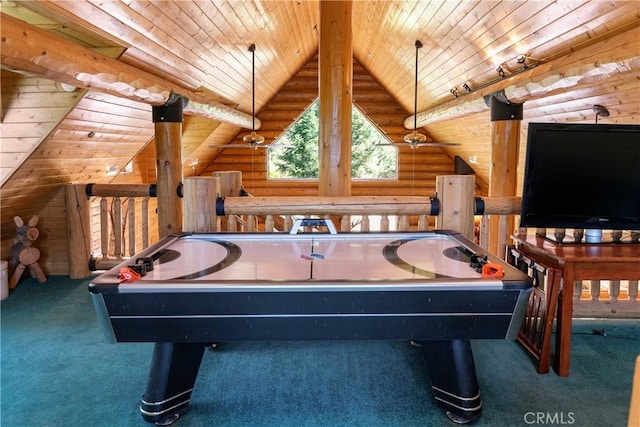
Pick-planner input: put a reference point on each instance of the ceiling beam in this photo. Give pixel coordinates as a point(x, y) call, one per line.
point(27, 48)
point(608, 58)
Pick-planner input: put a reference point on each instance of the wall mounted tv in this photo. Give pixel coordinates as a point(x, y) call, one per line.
point(582, 176)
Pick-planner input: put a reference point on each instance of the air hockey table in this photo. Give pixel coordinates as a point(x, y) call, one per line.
point(203, 288)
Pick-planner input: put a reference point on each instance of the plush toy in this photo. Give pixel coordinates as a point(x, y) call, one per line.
point(24, 254)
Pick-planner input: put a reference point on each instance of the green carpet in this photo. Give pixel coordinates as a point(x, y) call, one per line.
point(57, 370)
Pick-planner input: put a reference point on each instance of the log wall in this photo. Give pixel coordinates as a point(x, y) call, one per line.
point(417, 169)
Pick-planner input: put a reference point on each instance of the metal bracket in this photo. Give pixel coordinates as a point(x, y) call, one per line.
point(313, 222)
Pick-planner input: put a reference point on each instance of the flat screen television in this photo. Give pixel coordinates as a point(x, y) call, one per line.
point(582, 176)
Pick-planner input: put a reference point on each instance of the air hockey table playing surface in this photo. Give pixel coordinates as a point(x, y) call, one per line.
point(216, 287)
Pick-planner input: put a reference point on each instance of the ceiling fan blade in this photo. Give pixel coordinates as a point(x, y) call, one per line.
point(422, 144)
point(252, 146)
point(438, 144)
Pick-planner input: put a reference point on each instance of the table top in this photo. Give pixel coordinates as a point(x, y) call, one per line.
point(316, 259)
point(578, 252)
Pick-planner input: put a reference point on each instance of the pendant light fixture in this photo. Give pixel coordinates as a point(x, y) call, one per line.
point(416, 139)
point(253, 139)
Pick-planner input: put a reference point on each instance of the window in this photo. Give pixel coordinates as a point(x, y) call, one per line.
point(298, 158)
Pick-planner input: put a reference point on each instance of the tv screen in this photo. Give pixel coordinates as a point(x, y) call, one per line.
point(582, 176)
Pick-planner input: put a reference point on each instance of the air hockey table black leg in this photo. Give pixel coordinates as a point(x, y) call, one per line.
point(453, 378)
point(173, 372)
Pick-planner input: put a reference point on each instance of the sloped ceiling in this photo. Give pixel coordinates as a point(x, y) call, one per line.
point(201, 47)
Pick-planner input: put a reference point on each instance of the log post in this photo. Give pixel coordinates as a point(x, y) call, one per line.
point(230, 186)
point(335, 86)
point(230, 183)
point(78, 206)
point(167, 120)
point(40, 52)
point(505, 149)
point(457, 202)
point(200, 193)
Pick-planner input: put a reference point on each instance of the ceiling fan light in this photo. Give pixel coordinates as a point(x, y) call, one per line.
point(414, 139)
point(253, 139)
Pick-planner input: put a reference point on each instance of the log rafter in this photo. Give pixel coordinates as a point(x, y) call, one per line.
point(606, 59)
point(30, 49)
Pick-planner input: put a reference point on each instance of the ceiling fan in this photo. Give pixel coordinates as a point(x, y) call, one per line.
point(253, 140)
point(416, 139)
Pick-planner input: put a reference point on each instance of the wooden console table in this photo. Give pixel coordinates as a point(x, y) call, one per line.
point(578, 261)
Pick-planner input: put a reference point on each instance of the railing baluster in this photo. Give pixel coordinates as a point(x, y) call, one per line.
point(403, 223)
point(614, 290)
point(595, 290)
point(232, 223)
point(364, 223)
point(384, 223)
point(117, 227)
point(145, 222)
point(345, 223)
point(423, 223)
point(503, 235)
point(104, 227)
point(578, 234)
point(268, 224)
point(132, 226)
point(577, 289)
point(633, 290)
point(484, 232)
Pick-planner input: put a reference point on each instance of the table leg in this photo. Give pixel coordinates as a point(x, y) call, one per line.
point(562, 357)
point(173, 372)
point(453, 378)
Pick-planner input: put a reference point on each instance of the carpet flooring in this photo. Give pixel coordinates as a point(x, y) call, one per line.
point(57, 370)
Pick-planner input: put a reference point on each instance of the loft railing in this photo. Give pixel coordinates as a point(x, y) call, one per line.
point(351, 214)
point(95, 212)
point(600, 298)
point(107, 223)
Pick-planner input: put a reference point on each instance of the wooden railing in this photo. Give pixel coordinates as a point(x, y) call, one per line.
point(606, 298)
point(351, 214)
point(106, 224)
point(93, 244)
point(600, 298)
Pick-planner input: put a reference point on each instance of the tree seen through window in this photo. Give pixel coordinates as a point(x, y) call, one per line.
point(299, 159)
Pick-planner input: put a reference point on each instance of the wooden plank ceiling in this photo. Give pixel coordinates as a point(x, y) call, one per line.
point(201, 47)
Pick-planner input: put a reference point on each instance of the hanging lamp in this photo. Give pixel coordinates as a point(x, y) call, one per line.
point(416, 139)
point(253, 139)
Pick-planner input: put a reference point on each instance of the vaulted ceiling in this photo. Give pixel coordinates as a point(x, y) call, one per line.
point(559, 58)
